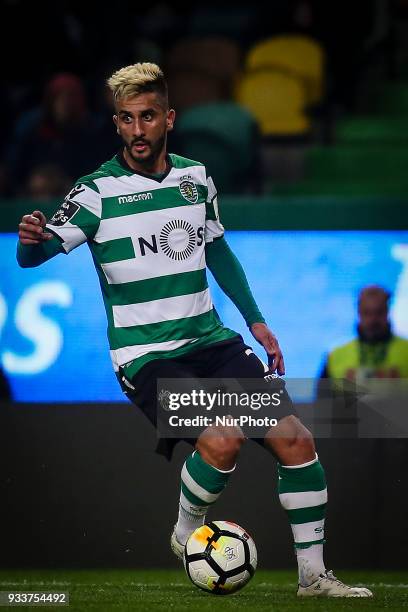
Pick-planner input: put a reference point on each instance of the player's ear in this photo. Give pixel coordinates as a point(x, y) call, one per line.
point(115, 121)
point(171, 116)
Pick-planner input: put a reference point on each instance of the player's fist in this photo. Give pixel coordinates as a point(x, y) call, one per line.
point(31, 229)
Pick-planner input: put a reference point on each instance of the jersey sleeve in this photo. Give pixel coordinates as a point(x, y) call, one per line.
point(78, 217)
point(213, 226)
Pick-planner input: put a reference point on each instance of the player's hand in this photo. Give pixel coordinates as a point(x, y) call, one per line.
point(31, 229)
point(263, 334)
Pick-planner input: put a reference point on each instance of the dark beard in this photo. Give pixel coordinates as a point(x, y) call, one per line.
point(155, 151)
point(380, 337)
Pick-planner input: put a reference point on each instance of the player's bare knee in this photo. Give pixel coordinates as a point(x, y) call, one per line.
point(304, 443)
point(301, 449)
point(230, 444)
point(291, 442)
point(284, 433)
point(220, 448)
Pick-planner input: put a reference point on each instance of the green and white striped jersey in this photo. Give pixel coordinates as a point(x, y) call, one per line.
point(147, 238)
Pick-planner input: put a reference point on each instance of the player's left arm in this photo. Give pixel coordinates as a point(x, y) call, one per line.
point(230, 276)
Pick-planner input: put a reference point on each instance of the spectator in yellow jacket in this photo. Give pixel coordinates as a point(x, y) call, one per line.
point(376, 352)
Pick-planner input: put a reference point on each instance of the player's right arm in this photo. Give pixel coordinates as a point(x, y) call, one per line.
point(75, 221)
point(35, 245)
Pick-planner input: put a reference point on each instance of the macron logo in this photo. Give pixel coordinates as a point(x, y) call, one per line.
point(136, 197)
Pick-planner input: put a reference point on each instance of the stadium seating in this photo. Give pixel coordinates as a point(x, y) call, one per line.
point(392, 99)
point(201, 70)
point(372, 130)
point(352, 170)
point(276, 100)
point(282, 82)
point(223, 137)
point(295, 55)
point(216, 57)
point(357, 163)
point(189, 88)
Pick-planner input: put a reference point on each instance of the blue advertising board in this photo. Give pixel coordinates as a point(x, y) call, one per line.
point(53, 344)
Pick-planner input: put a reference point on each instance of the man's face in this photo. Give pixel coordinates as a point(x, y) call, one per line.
point(373, 316)
point(143, 122)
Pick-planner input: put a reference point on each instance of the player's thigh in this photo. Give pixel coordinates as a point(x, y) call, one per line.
point(147, 393)
point(152, 396)
point(244, 364)
point(254, 375)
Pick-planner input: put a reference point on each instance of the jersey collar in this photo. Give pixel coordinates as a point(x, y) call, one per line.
point(169, 165)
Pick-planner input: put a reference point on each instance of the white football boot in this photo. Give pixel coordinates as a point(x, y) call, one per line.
point(176, 547)
point(327, 585)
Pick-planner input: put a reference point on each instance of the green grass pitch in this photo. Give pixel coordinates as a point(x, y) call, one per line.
point(171, 590)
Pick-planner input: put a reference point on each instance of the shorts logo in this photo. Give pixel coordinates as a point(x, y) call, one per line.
point(163, 399)
point(65, 213)
point(270, 377)
point(188, 189)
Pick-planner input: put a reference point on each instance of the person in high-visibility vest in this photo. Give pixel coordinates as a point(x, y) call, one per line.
point(376, 352)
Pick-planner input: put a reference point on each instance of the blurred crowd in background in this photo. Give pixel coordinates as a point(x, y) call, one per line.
point(301, 96)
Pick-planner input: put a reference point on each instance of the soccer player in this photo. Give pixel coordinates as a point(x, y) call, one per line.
point(151, 222)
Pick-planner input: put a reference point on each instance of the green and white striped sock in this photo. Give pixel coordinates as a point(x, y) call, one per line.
point(201, 485)
point(303, 495)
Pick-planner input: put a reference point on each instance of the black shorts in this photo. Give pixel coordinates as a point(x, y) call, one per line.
point(229, 359)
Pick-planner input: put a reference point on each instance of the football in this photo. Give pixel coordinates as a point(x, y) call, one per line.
point(220, 557)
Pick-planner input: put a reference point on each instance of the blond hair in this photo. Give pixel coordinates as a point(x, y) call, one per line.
point(138, 78)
